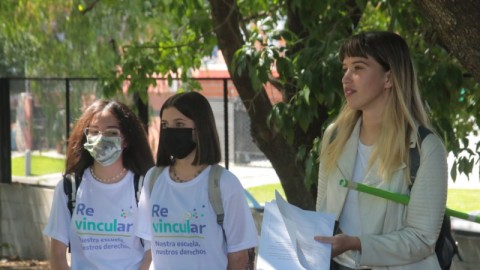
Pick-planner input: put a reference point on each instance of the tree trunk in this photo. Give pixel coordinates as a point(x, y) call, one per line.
point(282, 155)
point(458, 29)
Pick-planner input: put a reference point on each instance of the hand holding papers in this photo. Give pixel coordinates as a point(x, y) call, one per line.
point(286, 240)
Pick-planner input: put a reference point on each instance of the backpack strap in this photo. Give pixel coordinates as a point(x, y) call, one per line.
point(215, 197)
point(215, 194)
point(156, 171)
point(415, 154)
point(137, 185)
point(445, 230)
point(70, 187)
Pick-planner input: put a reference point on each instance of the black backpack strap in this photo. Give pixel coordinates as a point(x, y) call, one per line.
point(70, 187)
point(415, 154)
point(445, 230)
point(67, 188)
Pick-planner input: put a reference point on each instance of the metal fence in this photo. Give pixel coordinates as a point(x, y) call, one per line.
point(37, 114)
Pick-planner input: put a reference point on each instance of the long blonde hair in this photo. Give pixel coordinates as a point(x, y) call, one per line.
point(403, 111)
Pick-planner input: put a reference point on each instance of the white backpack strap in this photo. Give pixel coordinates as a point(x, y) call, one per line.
point(156, 171)
point(214, 192)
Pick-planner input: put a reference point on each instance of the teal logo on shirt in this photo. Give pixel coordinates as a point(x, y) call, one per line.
point(189, 226)
point(86, 226)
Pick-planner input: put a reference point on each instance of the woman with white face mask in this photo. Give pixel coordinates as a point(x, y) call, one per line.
point(107, 149)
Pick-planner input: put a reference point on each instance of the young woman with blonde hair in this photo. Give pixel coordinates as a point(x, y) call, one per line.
point(369, 143)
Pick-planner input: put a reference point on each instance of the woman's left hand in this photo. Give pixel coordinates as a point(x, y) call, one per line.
point(340, 243)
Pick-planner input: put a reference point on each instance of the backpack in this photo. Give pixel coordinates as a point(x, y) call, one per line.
point(215, 197)
point(72, 182)
point(446, 247)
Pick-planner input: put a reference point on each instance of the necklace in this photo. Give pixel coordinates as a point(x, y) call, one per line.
point(179, 180)
point(109, 180)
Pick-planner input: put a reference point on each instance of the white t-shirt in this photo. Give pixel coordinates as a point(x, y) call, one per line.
point(350, 216)
point(349, 220)
point(182, 226)
point(101, 231)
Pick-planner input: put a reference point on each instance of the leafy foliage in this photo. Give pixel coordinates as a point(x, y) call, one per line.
point(290, 44)
point(71, 37)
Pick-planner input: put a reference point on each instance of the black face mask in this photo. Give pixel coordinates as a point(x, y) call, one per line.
point(178, 141)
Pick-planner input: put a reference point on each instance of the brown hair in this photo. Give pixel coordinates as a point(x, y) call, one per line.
point(137, 155)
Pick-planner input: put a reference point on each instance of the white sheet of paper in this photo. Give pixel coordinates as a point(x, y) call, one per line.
point(286, 240)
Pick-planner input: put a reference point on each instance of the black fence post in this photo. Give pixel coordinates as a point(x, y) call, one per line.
point(67, 109)
point(67, 112)
point(225, 117)
point(5, 133)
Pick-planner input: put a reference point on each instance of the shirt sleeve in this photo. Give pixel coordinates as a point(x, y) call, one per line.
point(58, 226)
point(146, 245)
point(143, 217)
point(239, 225)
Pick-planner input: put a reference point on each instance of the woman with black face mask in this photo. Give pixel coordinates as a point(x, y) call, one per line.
point(175, 210)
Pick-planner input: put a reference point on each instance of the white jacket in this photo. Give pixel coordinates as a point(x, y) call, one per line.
point(394, 236)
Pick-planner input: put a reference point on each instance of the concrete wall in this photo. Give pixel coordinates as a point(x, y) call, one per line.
point(24, 211)
point(469, 249)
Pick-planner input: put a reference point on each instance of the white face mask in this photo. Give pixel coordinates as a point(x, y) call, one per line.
point(105, 150)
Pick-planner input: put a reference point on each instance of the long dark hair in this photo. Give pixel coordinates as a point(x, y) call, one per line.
point(196, 107)
point(137, 155)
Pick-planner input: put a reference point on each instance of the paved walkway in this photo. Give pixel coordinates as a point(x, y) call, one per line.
point(254, 176)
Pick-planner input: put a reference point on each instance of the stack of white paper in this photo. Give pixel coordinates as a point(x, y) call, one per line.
point(286, 240)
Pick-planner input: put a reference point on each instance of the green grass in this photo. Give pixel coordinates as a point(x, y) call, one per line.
point(40, 165)
point(463, 200)
point(266, 193)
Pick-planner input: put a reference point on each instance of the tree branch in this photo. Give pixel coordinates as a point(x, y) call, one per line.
point(89, 7)
point(457, 29)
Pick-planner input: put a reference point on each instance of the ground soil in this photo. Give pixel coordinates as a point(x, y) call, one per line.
point(16, 264)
